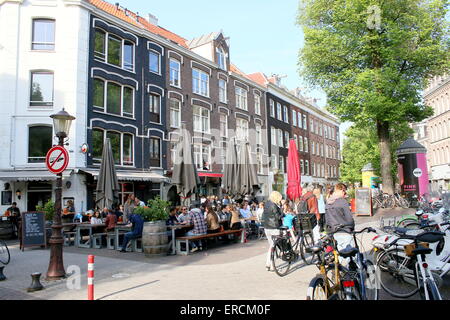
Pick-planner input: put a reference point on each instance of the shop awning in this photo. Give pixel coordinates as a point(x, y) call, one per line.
point(131, 175)
point(31, 175)
point(209, 174)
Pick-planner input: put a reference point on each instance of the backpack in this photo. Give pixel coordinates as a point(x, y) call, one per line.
point(302, 207)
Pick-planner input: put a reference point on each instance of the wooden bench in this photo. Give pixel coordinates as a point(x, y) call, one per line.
point(67, 236)
point(186, 240)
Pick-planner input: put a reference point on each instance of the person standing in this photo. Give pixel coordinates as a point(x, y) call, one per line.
point(212, 220)
point(14, 214)
point(137, 225)
point(318, 192)
point(272, 220)
point(128, 208)
point(312, 208)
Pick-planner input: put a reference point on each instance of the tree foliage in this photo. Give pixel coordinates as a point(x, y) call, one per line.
point(373, 58)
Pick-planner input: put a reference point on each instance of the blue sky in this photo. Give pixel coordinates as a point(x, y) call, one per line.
point(263, 34)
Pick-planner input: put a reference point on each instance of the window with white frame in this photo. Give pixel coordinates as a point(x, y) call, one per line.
point(113, 98)
point(294, 118)
point(121, 145)
point(201, 119)
point(223, 125)
point(202, 156)
point(155, 152)
point(280, 138)
point(311, 125)
point(302, 167)
point(296, 140)
point(286, 139)
point(281, 164)
point(41, 91)
point(274, 161)
point(313, 169)
point(300, 143)
point(155, 108)
point(318, 149)
point(326, 132)
point(313, 147)
point(175, 72)
point(306, 145)
point(114, 56)
point(241, 98)
point(299, 120)
point(221, 58)
point(175, 113)
point(200, 82)
point(305, 125)
point(279, 112)
point(320, 129)
point(272, 108)
point(222, 91)
point(114, 50)
point(257, 104)
point(39, 142)
point(286, 114)
point(273, 136)
point(322, 170)
point(306, 167)
point(258, 132)
point(154, 62)
point(43, 34)
point(321, 150)
point(173, 150)
point(241, 129)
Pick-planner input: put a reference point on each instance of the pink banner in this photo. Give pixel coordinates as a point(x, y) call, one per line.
point(423, 180)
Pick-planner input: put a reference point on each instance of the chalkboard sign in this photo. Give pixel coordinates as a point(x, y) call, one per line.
point(363, 202)
point(33, 229)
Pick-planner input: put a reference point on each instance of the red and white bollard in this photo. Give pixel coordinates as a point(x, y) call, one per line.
point(90, 275)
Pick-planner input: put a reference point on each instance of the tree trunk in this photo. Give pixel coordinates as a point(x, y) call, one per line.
point(385, 154)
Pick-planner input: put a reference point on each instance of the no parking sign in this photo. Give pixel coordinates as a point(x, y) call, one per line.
point(57, 159)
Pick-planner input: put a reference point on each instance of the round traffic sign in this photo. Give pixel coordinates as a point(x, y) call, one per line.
point(57, 159)
point(417, 172)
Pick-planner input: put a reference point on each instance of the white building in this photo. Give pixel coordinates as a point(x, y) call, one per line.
point(44, 54)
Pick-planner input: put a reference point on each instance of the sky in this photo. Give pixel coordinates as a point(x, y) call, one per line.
point(263, 34)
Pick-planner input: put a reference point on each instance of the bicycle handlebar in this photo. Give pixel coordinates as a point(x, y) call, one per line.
point(341, 228)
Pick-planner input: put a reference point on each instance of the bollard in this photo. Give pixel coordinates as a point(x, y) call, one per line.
point(90, 275)
point(2, 276)
point(35, 282)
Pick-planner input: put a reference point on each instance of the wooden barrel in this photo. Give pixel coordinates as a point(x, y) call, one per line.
point(155, 241)
point(6, 229)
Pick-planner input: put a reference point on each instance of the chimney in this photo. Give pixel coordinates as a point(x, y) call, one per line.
point(117, 6)
point(152, 19)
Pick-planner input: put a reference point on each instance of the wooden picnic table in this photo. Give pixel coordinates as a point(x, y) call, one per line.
point(86, 226)
point(177, 227)
point(120, 227)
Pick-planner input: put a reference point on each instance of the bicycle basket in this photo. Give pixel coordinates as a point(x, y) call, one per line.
point(306, 221)
point(409, 248)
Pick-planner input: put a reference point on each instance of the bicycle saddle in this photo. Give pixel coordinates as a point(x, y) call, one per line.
point(348, 252)
point(422, 250)
point(283, 228)
point(430, 236)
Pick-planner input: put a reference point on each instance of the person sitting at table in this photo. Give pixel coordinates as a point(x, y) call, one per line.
point(182, 217)
point(137, 225)
point(15, 217)
point(172, 220)
point(225, 217)
point(212, 220)
point(197, 219)
point(110, 221)
point(118, 212)
point(235, 218)
point(69, 209)
point(245, 211)
point(96, 219)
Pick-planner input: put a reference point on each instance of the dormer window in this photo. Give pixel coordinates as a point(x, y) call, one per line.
point(221, 59)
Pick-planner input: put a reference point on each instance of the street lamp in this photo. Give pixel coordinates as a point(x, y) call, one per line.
point(61, 124)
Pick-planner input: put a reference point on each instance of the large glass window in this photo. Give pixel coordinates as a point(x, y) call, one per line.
point(286, 139)
point(222, 91)
point(272, 108)
point(155, 62)
point(299, 120)
point(294, 118)
point(305, 124)
point(100, 45)
point(39, 142)
point(119, 99)
point(279, 112)
point(307, 167)
point(175, 67)
point(114, 137)
point(155, 108)
point(43, 34)
point(202, 156)
point(128, 101)
point(273, 136)
point(128, 55)
point(127, 150)
point(300, 143)
point(306, 145)
point(41, 88)
point(285, 114)
point(121, 144)
point(221, 59)
point(302, 167)
point(241, 98)
point(175, 113)
point(155, 152)
point(114, 51)
point(223, 125)
point(99, 94)
point(281, 165)
point(258, 131)
point(257, 104)
point(241, 129)
point(200, 82)
point(274, 161)
point(113, 98)
point(97, 145)
point(201, 119)
point(280, 138)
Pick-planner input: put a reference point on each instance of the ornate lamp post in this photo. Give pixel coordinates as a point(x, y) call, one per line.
point(61, 123)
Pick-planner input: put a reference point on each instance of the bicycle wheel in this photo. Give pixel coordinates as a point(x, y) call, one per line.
point(372, 283)
point(404, 203)
point(403, 223)
point(279, 256)
point(4, 253)
point(306, 242)
point(397, 273)
point(317, 289)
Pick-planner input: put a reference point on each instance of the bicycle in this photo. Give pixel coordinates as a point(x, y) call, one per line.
point(404, 271)
point(399, 201)
point(4, 253)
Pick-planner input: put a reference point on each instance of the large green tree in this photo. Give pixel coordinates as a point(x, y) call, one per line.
point(373, 58)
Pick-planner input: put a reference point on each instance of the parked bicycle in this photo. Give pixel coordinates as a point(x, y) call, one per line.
point(4, 253)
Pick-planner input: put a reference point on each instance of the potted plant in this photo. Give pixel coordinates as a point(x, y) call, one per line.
point(48, 209)
point(156, 210)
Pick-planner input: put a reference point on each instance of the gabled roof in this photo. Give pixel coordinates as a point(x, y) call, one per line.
point(258, 77)
point(206, 38)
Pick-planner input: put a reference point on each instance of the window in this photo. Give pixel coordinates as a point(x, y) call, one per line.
point(306, 167)
point(114, 137)
point(311, 125)
point(221, 58)
point(39, 142)
point(313, 169)
point(306, 145)
point(201, 119)
point(100, 45)
point(173, 149)
point(174, 72)
point(259, 161)
point(155, 62)
point(155, 108)
point(223, 125)
point(323, 170)
point(200, 82)
point(296, 140)
point(272, 108)
point(175, 113)
point(274, 162)
point(128, 55)
point(299, 120)
point(313, 148)
point(41, 93)
point(300, 143)
point(321, 150)
point(222, 91)
point(257, 104)
point(281, 165)
point(119, 99)
point(43, 34)
point(98, 140)
point(114, 51)
point(280, 138)
point(286, 139)
point(320, 129)
point(294, 118)
point(155, 152)
point(258, 131)
point(273, 136)
point(305, 125)
point(241, 98)
point(285, 114)
point(318, 149)
point(302, 167)
point(279, 114)
point(202, 156)
point(121, 145)
point(241, 129)
point(127, 149)
point(326, 132)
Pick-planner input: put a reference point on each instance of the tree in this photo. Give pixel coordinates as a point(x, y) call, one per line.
point(361, 147)
point(373, 58)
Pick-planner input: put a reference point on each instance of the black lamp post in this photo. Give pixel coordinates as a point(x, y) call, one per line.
point(61, 123)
